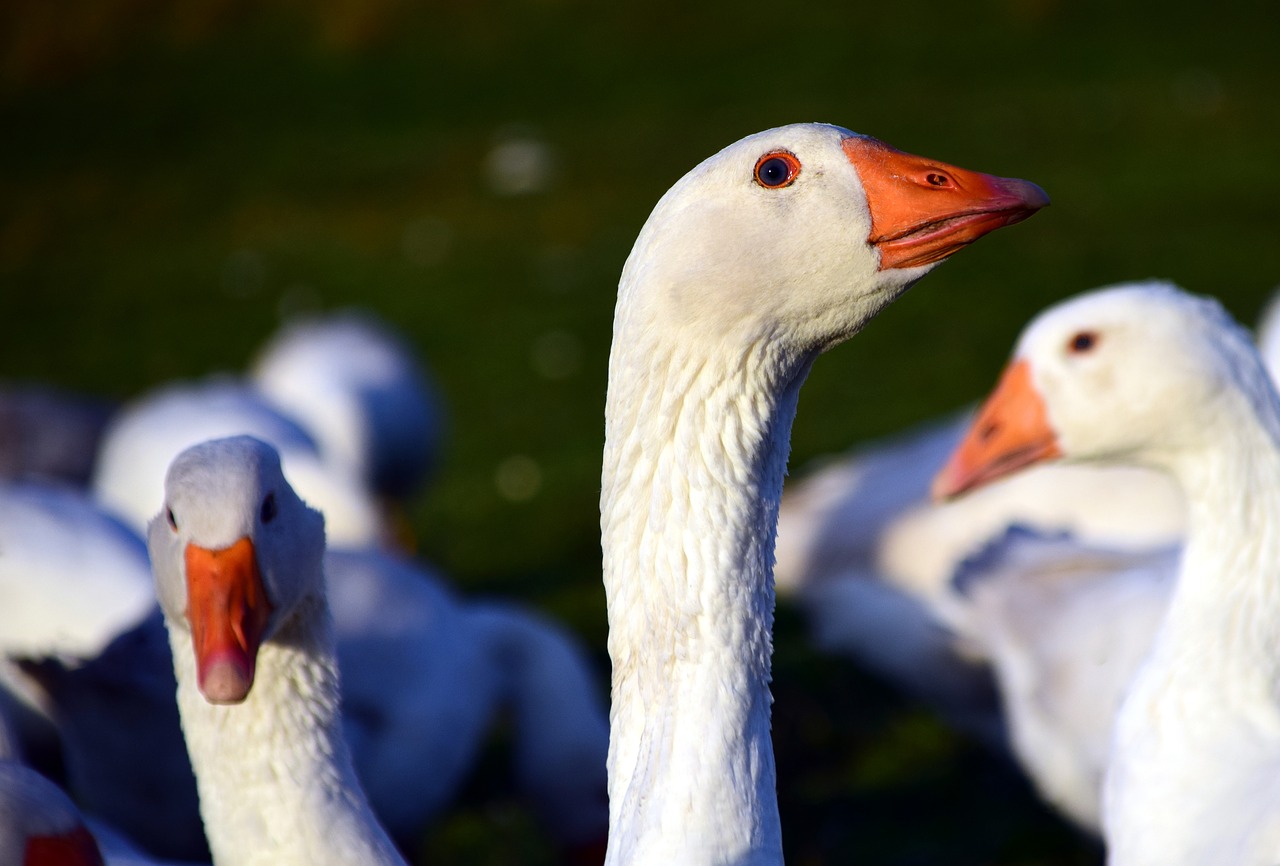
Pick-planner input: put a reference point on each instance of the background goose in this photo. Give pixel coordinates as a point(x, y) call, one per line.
point(238, 564)
point(1146, 374)
point(776, 248)
point(1053, 580)
point(147, 434)
point(72, 576)
point(362, 393)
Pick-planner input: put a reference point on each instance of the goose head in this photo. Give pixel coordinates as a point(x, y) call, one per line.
point(802, 233)
point(1134, 373)
point(234, 551)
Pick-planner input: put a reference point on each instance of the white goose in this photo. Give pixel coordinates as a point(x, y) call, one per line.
point(1062, 614)
point(1146, 374)
point(238, 567)
point(362, 392)
point(71, 577)
point(769, 252)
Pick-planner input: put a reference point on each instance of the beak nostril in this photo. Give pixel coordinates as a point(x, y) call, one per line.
point(990, 429)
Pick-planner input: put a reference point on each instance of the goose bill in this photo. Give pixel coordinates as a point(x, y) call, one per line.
point(1011, 431)
point(228, 610)
point(922, 210)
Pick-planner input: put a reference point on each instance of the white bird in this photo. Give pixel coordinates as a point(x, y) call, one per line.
point(1146, 374)
point(148, 433)
point(238, 566)
point(427, 674)
point(1054, 579)
point(361, 392)
point(72, 576)
point(769, 252)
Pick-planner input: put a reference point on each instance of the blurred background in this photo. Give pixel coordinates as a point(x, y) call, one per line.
point(178, 179)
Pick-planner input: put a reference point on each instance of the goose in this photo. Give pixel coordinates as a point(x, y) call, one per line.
point(1053, 580)
point(72, 576)
point(426, 675)
point(237, 558)
point(1145, 373)
point(146, 434)
point(362, 393)
point(769, 252)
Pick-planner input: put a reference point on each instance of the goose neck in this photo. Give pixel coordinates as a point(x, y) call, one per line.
point(290, 795)
point(695, 453)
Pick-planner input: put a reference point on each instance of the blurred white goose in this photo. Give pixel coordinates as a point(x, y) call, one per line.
point(238, 568)
point(425, 675)
point(147, 434)
point(362, 392)
point(1057, 577)
point(776, 248)
point(71, 577)
point(1147, 374)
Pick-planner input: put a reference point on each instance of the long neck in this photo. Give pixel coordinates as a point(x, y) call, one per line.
point(1225, 614)
point(275, 778)
point(694, 459)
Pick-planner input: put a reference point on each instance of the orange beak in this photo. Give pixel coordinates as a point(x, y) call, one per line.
point(228, 610)
point(922, 210)
point(76, 848)
point(1011, 431)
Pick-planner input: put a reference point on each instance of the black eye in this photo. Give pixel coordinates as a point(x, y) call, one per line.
point(937, 179)
point(1082, 342)
point(776, 170)
point(173, 521)
point(268, 512)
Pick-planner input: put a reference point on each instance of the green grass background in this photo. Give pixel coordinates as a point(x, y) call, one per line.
point(175, 178)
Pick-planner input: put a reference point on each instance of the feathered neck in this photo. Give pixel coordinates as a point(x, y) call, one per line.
point(275, 777)
point(695, 452)
point(1225, 612)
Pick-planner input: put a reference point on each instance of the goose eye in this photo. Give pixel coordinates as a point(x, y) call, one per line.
point(268, 512)
point(1082, 342)
point(173, 521)
point(776, 170)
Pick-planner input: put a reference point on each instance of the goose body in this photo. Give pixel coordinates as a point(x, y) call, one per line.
point(238, 565)
point(1064, 627)
point(427, 674)
point(72, 576)
point(1146, 374)
point(769, 252)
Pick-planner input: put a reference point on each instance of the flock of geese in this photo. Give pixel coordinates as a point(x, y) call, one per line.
point(1104, 611)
